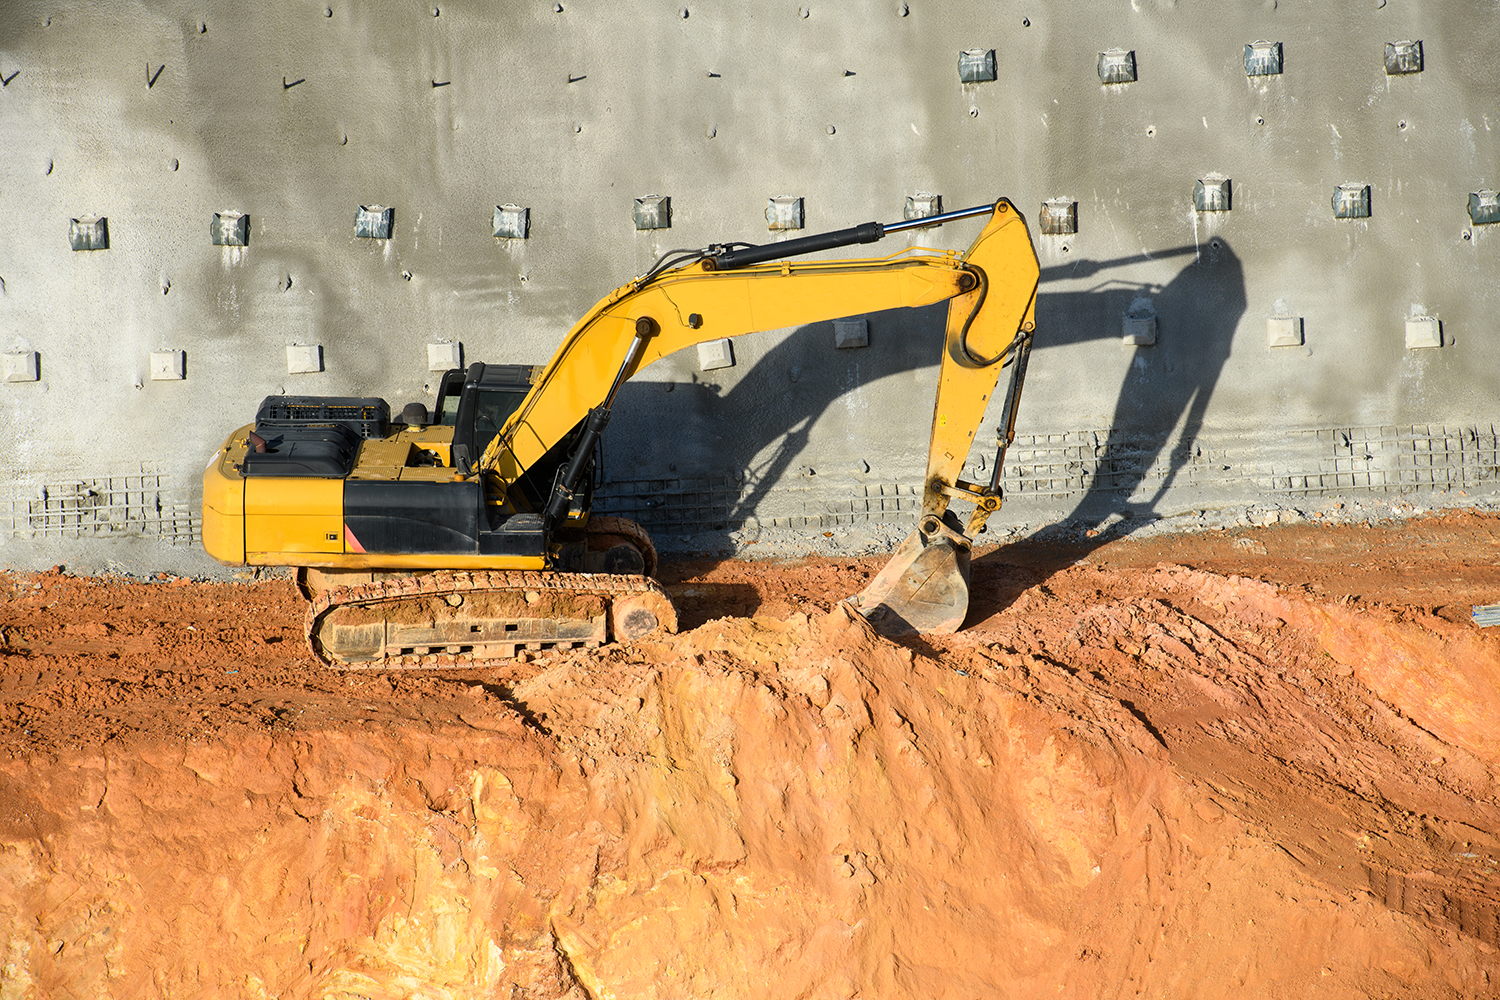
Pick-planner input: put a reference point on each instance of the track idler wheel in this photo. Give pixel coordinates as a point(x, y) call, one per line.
point(632, 617)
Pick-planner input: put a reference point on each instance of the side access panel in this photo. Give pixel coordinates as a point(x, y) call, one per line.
point(293, 515)
point(404, 517)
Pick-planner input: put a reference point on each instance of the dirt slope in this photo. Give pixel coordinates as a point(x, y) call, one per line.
point(1189, 767)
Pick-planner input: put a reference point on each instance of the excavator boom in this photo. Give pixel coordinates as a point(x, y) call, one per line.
point(725, 292)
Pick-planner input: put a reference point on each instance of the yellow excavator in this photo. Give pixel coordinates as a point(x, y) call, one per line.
point(464, 533)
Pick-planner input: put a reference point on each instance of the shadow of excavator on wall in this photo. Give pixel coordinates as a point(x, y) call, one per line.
point(795, 384)
point(1168, 386)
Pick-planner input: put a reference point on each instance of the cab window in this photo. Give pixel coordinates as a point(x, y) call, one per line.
point(449, 393)
point(492, 408)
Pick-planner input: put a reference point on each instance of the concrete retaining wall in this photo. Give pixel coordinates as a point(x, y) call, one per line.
point(297, 113)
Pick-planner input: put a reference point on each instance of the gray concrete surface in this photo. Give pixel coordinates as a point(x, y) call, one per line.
point(296, 113)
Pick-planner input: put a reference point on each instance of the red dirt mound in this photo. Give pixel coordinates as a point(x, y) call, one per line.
point(1124, 779)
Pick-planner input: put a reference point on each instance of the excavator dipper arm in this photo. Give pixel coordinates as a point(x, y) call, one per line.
point(728, 291)
point(925, 585)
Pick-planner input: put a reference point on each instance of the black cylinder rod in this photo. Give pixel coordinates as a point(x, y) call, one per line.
point(727, 260)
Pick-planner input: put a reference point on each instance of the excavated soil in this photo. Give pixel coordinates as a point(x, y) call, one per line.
point(1258, 763)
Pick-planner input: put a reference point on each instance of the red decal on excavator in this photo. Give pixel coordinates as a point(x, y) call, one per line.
point(350, 542)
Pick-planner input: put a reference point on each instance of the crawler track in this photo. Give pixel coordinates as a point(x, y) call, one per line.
point(463, 618)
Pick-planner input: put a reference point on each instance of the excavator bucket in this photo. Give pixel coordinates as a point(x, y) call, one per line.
point(924, 587)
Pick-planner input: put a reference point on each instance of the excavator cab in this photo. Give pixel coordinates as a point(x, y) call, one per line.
point(476, 401)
